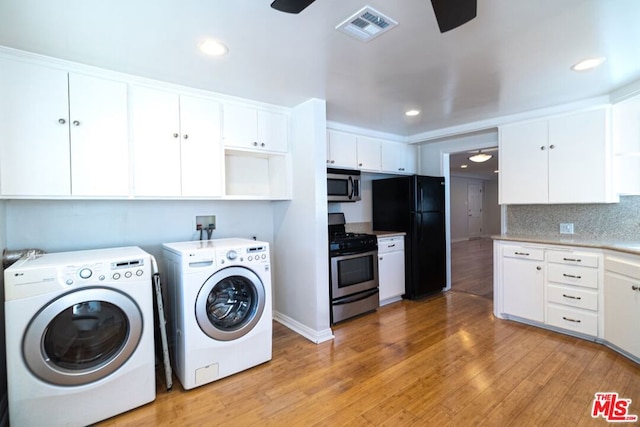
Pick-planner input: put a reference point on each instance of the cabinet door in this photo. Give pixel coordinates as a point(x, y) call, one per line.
point(579, 158)
point(398, 158)
point(34, 127)
point(240, 126)
point(523, 288)
point(201, 151)
point(369, 154)
point(99, 137)
point(156, 142)
point(622, 312)
point(391, 274)
point(341, 150)
point(273, 131)
point(523, 163)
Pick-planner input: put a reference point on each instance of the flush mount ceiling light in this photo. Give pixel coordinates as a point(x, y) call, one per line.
point(213, 48)
point(480, 157)
point(463, 166)
point(588, 64)
point(412, 113)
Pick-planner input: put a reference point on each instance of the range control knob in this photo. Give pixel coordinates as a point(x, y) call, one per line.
point(85, 273)
point(231, 255)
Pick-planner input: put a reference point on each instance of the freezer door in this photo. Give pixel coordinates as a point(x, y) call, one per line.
point(429, 194)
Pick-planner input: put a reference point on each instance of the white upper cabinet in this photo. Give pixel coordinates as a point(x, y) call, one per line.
point(342, 151)
point(565, 159)
point(176, 144)
point(399, 158)
point(369, 154)
point(250, 128)
point(62, 134)
point(626, 136)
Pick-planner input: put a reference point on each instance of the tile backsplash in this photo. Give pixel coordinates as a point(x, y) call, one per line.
point(604, 221)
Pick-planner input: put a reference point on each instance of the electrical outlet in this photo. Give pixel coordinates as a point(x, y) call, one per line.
point(205, 221)
point(566, 228)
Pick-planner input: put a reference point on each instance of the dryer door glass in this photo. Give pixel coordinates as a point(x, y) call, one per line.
point(230, 303)
point(82, 337)
point(85, 335)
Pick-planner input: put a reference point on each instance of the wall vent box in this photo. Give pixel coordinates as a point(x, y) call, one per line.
point(205, 221)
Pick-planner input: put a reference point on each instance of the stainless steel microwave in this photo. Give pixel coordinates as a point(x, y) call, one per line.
point(343, 185)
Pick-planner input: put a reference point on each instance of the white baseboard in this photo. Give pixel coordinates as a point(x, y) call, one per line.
point(312, 335)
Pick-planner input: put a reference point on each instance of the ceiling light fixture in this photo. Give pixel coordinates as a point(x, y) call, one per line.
point(588, 64)
point(480, 157)
point(213, 48)
point(412, 113)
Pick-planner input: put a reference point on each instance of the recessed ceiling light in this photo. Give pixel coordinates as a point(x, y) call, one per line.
point(463, 166)
point(588, 64)
point(213, 48)
point(412, 113)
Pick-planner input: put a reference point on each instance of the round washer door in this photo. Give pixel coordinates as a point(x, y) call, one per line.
point(82, 336)
point(230, 303)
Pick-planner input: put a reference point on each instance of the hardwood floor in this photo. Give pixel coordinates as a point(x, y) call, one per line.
point(472, 267)
point(443, 361)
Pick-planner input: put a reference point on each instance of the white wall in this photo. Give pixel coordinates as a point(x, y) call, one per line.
point(301, 268)
point(3, 359)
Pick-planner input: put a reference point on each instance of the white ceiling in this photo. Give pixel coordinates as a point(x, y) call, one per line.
point(514, 57)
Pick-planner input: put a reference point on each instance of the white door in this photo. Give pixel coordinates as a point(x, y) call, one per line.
point(474, 208)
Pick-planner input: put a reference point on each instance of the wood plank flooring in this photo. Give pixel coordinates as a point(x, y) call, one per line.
point(472, 267)
point(442, 361)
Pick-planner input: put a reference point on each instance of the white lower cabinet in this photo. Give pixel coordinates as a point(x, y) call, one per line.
point(622, 303)
point(391, 268)
point(522, 271)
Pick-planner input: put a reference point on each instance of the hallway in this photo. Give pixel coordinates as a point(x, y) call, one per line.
point(472, 267)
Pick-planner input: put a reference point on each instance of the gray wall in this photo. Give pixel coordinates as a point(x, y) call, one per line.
point(459, 214)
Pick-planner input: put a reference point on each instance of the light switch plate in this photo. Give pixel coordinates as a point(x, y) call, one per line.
point(566, 228)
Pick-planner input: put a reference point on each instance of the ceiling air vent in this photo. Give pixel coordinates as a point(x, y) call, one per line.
point(366, 24)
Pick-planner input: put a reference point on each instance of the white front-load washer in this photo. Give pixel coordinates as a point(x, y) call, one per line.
point(79, 336)
point(219, 304)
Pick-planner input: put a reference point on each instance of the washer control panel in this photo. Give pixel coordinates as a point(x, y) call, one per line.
point(258, 254)
point(99, 272)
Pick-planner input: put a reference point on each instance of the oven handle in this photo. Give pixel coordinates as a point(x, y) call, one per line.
point(354, 254)
point(354, 298)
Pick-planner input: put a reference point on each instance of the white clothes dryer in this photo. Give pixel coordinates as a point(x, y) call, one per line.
point(79, 336)
point(219, 305)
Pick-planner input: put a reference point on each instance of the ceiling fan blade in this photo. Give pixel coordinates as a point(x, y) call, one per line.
point(291, 6)
point(451, 14)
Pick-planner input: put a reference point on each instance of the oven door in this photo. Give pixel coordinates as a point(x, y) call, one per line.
point(355, 273)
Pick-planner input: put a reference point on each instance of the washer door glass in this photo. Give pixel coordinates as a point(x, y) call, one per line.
point(82, 336)
point(230, 303)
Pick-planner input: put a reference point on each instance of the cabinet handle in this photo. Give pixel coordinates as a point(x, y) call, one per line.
point(262, 144)
point(571, 276)
point(76, 123)
point(572, 259)
point(392, 246)
point(551, 147)
point(186, 136)
point(255, 143)
point(635, 288)
point(538, 268)
point(571, 297)
point(359, 164)
point(333, 161)
point(543, 148)
point(380, 258)
point(175, 135)
point(568, 319)
point(522, 253)
point(62, 121)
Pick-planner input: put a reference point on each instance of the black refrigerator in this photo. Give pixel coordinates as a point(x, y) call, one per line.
point(415, 205)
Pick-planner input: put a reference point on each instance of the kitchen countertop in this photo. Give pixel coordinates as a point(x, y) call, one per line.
point(389, 233)
point(628, 246)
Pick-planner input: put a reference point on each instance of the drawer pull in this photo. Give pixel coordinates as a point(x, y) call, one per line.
point(572, 259)
point(568, 319)
point(522, 253)
point(571, 276)
point(635, 288)
point(392, 246)
point(571, 297)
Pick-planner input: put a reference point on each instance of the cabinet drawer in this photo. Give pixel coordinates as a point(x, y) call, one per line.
point(573, 258)
point(623, 266)
point(572, 275)
point(390, 244)
point(523, 252)
point(584, 322)
point(573, 296)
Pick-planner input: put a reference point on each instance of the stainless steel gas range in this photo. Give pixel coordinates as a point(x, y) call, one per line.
point(353, 271)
